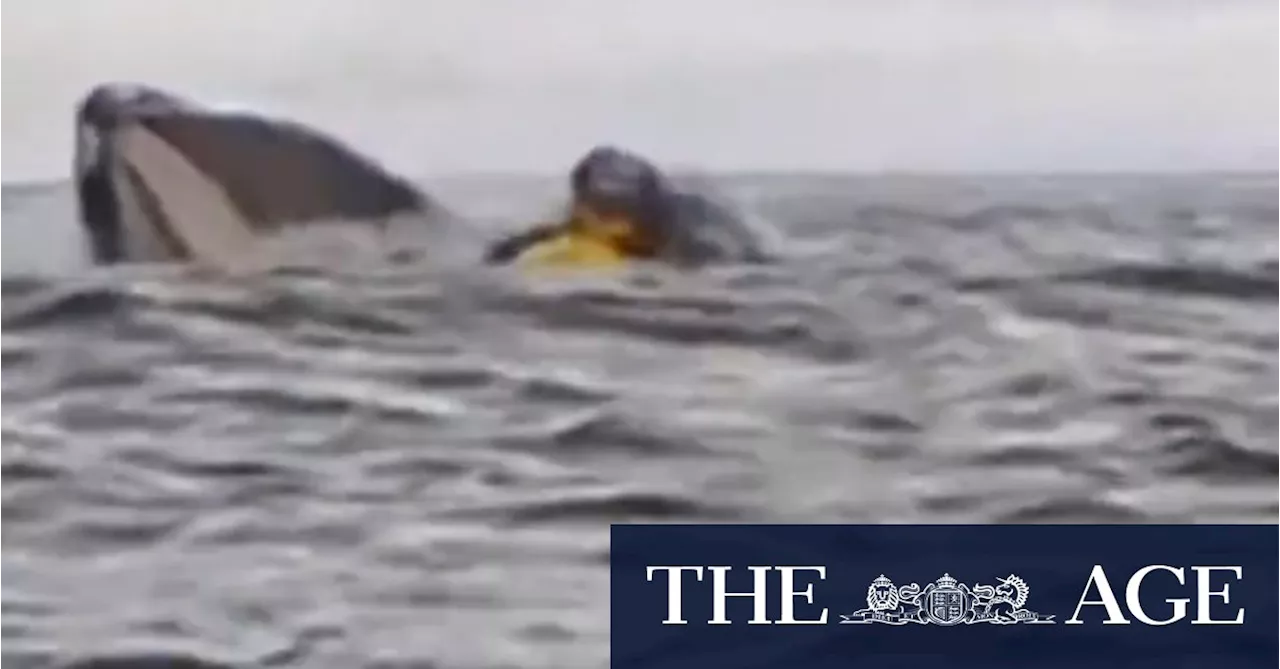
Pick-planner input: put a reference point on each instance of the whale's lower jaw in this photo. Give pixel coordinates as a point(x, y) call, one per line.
point(100, 218)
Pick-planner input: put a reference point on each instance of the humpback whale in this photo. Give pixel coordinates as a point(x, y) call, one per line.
point(623, 208)
point(162, 178)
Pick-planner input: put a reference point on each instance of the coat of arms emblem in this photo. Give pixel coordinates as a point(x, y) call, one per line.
point(947, 602)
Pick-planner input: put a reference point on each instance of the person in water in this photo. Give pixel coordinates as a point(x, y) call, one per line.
point(623, 208)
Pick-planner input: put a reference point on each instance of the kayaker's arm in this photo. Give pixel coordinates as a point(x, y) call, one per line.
point(508, 249)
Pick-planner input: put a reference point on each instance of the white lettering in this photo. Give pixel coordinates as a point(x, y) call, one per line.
point(1133, 595)
point(719, 595)
point(1098, 579)
point(789, 594)
point(1203, 593)
point(674, 592)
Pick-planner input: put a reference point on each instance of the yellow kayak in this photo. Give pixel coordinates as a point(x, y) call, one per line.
point(573, 251)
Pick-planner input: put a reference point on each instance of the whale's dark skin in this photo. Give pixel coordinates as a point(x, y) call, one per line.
point(675, 226)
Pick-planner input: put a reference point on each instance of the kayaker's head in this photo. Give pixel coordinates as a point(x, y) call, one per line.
point(618, 199)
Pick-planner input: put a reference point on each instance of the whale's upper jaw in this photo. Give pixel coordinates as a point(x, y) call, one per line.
point(107, 107)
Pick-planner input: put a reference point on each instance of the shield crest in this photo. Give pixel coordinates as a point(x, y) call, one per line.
point(947, 606)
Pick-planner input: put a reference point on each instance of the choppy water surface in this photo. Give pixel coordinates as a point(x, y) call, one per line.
point(394, 465)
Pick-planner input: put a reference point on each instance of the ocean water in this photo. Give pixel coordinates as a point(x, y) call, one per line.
point(399, 462)
point(392, 464)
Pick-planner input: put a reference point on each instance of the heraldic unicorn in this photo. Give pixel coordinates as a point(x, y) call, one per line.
point(946, 601)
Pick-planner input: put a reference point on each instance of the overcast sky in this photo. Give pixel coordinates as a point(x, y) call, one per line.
point(439, 86)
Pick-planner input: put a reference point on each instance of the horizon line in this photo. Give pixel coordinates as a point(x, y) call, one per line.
point(807, 173)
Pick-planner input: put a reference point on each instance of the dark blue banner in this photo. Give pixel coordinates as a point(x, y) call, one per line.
point(932, 597)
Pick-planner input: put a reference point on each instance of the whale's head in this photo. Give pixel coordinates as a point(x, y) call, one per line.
point(162, 178)
point(101, 114)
